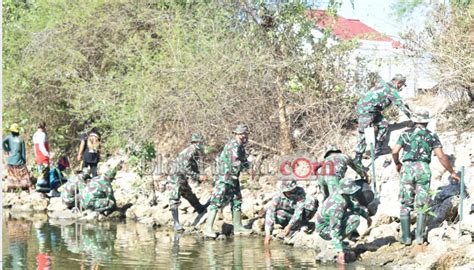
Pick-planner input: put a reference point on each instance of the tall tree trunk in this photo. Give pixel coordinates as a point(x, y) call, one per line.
point(285, 127)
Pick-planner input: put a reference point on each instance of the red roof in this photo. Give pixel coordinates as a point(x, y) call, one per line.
point(347, 29)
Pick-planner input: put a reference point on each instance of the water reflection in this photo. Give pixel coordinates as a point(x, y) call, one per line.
point(35, 243)
point(18, 232)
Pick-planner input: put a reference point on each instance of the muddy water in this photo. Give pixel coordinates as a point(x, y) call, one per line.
point(34, 242)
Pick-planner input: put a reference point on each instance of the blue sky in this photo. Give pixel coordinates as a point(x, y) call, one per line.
point(378, 14)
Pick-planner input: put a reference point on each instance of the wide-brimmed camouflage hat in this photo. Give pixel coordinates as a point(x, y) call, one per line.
point(197, 137)
point(241, 129)
point(332, 148)
point(401, 78)
point(348, 186)
point(421, 116)
point(288, 184)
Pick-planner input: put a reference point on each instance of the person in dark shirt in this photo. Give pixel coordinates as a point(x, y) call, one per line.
point(14, 147)
point(89, 151)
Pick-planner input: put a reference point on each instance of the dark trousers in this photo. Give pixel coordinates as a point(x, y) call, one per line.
point(92, 166)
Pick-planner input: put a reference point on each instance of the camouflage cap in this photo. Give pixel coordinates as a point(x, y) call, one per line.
point(421, 116)
point(288, 184)
point(241, 129)
point(332, 148)
point(111, 173)
point(348, 186)
point(400, 77)
point(197, 137)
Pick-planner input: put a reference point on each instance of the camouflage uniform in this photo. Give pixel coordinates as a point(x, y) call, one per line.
point(285, 210)
point(369, 111)
point(335, 163)
point(418, 144)
point(75, 187)
point(72, 188)
point(98, 195)
point(339, 215)
point(177, 184)
point(231, 161)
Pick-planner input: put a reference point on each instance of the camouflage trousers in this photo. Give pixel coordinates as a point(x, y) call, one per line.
point(102, 204)
point(68, 194)
point(349, 225)
point(178, 186)
point(366, 120)
point(225, 191)
point(414, 185)
point(283, 217)
point(328, 184)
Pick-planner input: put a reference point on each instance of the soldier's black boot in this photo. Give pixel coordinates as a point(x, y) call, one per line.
point(405, 224)
point(420, 228)
point(176, 226)
point(237, 222)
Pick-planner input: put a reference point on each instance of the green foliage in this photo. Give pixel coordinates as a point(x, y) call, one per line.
point(426, 209)
point(140, 69)
point(404, 7)
point(141, 158)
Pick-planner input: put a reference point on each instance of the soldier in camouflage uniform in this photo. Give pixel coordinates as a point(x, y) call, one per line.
point(335, 166)
point(74, 187)
point(177, 184)
point(291, 208)
point(230, 162)
point(369, 112)
point(418, 143)
point(98, 195)
point(340, 215)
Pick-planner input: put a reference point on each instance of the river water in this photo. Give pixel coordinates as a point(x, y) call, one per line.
point(31, 241)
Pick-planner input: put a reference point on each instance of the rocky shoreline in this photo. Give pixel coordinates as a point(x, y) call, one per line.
point(450, 245)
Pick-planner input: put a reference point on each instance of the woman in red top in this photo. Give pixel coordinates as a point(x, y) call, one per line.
point(42, 155)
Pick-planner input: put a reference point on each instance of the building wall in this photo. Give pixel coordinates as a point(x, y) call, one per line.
point(381, 57)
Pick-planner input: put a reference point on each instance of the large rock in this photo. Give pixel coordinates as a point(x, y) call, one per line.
point(10, 199)
point(30, 202)
point(56, 204)
point(389, 203)
point(384, 234)
point(64, 214)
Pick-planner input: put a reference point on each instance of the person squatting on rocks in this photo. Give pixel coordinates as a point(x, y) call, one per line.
point(291, 208)
point(74, 187)
point(339, 216)
point(369, 113)
point(230, 162)
point(14, 147)
point(98, 194)
point(41, 150)
point(177, 183)
point(55, 179)
point(418, 143)
point(335, 166)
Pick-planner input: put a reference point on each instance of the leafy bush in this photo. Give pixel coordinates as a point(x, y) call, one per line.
point(140, 69)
